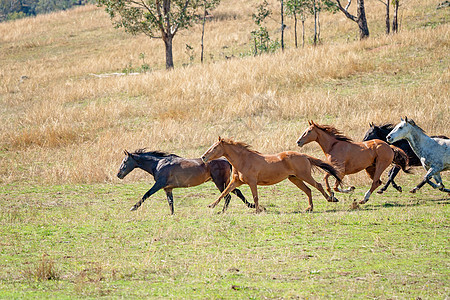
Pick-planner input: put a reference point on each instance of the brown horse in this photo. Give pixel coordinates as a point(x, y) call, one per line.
point(253, 168)
point(350, 157)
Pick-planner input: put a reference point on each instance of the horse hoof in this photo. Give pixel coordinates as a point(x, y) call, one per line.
point(352, 188)
point(260, 209)
point(400, 189)
point(309, 210)
point(380, 192)
point(332, 199)
point(134, 208)
point(413, 191)
point(363, 202)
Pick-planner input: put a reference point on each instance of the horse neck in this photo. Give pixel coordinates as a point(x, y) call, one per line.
point(148, 163)
point(418, 140)
point(234, 153)
point(325, 141)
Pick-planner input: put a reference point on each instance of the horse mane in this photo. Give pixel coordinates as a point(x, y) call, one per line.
point(411, 122)
point(143, 151)
point(334, 132)
point(240, 144)
point(386, 126)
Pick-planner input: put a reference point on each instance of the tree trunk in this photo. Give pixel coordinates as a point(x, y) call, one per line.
point(318, 26)
point(315, 22)
point(282, 26)
point(362, 21)
point(388, 22)
point(295, 29)
point(169, 56)
point(394, 19)
point(303, 33)
point(203, 30)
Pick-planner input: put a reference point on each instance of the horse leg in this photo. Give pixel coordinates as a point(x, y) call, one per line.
point(327, 185)
point(301, 185)
point(231, 186)
point(156, 187)
point(170, 199)
point(374, 173)
point(221, 180)
point(391, 175)
point(254, 189)
point(440, 184)
point(238, 193)
point(426, 179)
point(346, 191)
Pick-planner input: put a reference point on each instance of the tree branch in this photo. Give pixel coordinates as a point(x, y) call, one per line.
point(181, 14)
point(344, 10)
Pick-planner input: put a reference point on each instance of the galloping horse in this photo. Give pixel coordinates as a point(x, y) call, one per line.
point(381, 132)
point(434, 153)
point(172, 171)
point(350, 157)
point(253, 168)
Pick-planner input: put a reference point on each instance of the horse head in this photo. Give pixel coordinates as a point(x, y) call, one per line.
point(127, 165)
point(215, 151)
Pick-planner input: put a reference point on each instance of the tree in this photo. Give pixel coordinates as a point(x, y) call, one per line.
point(298, 8)
point(282, 25)
point(388, 24)
point(360, 17)
point(207, 4)
point(155, 18)
point(396, 4)
point(261, 36)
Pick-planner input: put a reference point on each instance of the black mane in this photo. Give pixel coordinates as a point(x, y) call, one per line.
point(144, 152)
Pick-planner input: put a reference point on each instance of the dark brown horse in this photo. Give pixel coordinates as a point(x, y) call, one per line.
point(253, 168)
point(172, 171)
point(350, 157)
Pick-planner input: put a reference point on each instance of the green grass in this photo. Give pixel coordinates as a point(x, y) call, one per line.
point(396, 246)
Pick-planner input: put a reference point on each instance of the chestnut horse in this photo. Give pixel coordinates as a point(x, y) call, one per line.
point(253, 168)
point(350, 157)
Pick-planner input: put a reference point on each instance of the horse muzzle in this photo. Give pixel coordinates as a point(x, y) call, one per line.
point(389, 139)
point(300, 143)
point(204, 159)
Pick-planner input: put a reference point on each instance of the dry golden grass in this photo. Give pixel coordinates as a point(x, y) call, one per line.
point(61, 124)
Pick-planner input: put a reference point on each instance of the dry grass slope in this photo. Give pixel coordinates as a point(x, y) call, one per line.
point(60, 124)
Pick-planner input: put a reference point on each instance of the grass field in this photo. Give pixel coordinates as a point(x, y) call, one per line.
point(70, 241)
point(65, 226)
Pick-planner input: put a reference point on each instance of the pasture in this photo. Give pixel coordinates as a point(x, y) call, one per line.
point(396, 246)
point(65, 226)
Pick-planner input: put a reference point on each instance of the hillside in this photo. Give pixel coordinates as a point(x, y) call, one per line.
point(63, 124)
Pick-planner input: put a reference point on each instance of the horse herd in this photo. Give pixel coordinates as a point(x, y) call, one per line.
point(403, 145)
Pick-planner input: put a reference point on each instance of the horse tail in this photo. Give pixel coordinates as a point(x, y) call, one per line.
point(326, 167)
point(400, 159)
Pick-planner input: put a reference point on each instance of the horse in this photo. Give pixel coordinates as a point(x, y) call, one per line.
point(350, 157)
point(434, 153)
point(172, 171)
point(253, 168)
point(381, 132)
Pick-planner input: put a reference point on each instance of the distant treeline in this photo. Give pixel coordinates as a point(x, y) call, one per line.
point(16, 9)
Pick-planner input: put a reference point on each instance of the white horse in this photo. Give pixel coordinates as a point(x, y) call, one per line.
point(434, 153)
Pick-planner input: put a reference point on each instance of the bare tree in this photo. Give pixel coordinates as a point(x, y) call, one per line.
point(388, 22)
point(360, 17)
point(207, 5)
point(396, 4)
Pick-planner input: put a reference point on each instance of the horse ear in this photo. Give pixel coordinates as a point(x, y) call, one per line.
point(126, 152)
point(220, 139)
point(406, 119)
point(401, 119)
point(309, 122)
